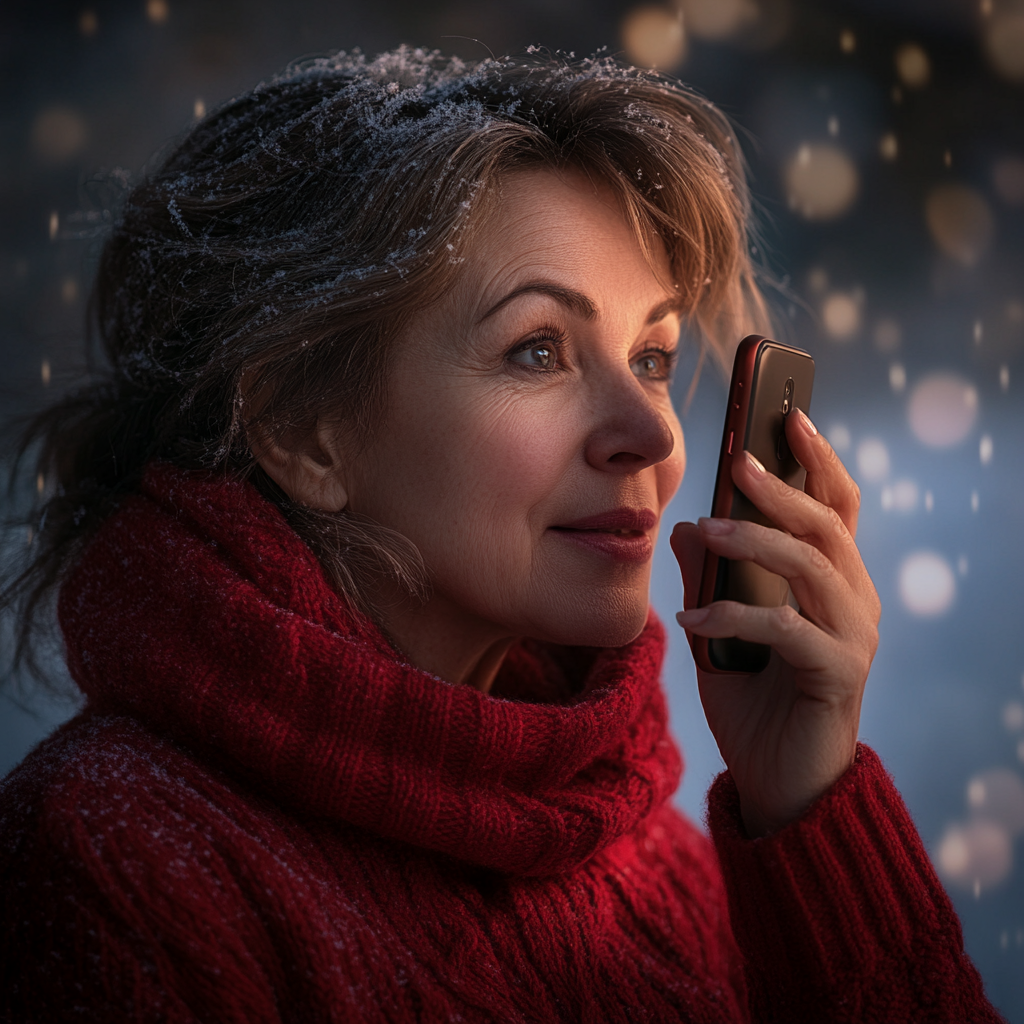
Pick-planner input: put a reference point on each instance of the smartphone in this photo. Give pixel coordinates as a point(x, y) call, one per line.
point(769, 381)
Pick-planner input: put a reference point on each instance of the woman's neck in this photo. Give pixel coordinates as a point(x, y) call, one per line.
point(466, 652)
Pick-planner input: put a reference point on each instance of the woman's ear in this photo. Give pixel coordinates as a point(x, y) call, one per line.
point(311, 473)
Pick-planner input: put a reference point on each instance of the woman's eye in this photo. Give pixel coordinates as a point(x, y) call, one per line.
point(542, 356)
point(653, 366)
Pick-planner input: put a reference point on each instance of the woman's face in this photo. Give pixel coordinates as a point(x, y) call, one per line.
point(530, 446)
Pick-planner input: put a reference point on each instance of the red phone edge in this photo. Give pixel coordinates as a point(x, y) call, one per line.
point(736, 425)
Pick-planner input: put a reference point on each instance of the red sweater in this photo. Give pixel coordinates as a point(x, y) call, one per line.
point(264, 814)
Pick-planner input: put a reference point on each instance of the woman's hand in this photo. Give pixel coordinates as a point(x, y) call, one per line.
point(789, 732)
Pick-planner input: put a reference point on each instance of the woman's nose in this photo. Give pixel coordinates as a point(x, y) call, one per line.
point(630, 433)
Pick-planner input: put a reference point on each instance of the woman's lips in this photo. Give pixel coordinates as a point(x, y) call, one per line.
point(622, 533)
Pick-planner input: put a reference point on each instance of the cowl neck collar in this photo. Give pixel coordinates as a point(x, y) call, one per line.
point(197, 610)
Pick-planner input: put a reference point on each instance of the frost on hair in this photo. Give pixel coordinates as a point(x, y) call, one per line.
point(256, 280)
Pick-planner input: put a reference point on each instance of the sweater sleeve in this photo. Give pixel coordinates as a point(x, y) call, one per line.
point(839, 915)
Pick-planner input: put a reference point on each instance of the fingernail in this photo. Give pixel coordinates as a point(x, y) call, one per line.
point(716, 526)
point(805, 422)
point(754, 464)
point(693, 617)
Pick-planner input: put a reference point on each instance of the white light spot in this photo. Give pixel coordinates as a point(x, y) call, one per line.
point(654, 37)
point(942, 409)
point(887, 335)
point(975, 501)
point(817, 279)
point(847, 41)
point(904, 495)
point(199, 108)
point(927, 585)
point(1004, 377)
point(57, 135)
point(821, 181)
point(960, 222)
point(978, 332)
point(897, 377)
point(833, 126)
point(839, 437)
point(962, 565)
point(978, 853)
point(888, 146)
point(1013, 716)
point(54, 224)
point(841, 314)
point(998, 795)
point(718, 19)
point(872, 460)
point(913, 66)
point(929, 501)
point(1003, 36)
point(44, 372)
point(985, 450)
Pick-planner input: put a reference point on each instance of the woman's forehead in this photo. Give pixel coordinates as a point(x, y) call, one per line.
point(558, 233)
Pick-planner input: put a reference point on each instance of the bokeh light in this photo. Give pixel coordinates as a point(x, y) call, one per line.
point(157, 11)
point(975, 855)
point(838, 435)
point(1013, 716)
point(942, 409)
point(718, 19)
point(654, 37)
point(1008, 180)
point(926, 583)
point(88, 23)
point(901, 496)
point(888, 146)
point(872, 460)
point(887, 336)
point(913, 66)
point(985, 449)
point(960, 222)
point(821, 181)
point(57, 135)
point(847, 41)
point(999, 796)
point(897, 377)
point(841, 316)
point(1004, 43)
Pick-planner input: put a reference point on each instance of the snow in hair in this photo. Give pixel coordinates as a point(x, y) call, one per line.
point(255, 280)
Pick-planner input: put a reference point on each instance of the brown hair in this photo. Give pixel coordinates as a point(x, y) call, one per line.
point(292, 233)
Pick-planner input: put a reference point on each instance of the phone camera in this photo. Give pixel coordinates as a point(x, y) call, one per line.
point(787, 397)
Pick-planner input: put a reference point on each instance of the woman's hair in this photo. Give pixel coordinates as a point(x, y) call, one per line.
point(254, 283)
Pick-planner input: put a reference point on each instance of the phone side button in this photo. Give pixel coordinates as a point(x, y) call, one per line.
point(729, 449)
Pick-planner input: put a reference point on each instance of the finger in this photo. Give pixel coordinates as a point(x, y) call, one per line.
point(821, 591)
point(689, 551)
point(798, 641)
point(802, 515)
point(827, 478)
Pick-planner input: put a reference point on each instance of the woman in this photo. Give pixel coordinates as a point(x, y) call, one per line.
point(353, 548)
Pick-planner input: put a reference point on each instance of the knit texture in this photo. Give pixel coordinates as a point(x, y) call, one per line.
point(264, 814)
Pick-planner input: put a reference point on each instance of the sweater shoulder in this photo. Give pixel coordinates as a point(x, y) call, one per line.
point(96, 774)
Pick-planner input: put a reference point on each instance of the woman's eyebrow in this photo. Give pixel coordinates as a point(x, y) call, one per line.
point(662, 310)
point(576, 302)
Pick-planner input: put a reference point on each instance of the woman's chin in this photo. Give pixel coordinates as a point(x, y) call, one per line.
point(598, 627)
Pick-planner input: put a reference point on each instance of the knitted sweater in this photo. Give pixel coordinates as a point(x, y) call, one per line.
point(264, 815)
